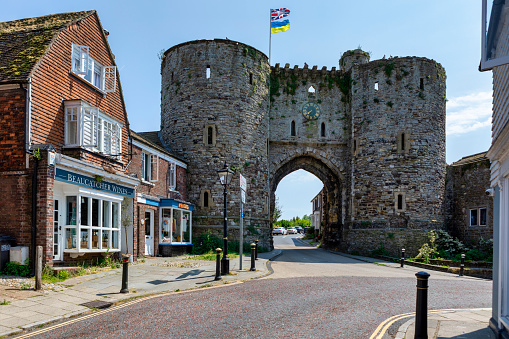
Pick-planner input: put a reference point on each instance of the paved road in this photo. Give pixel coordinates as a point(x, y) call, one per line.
point(312, 294)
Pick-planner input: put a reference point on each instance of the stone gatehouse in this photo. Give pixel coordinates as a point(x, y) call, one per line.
point(372, 131)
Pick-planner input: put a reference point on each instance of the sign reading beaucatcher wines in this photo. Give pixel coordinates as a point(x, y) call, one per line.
point(82, 180)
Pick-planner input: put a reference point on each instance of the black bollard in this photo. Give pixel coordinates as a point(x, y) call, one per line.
point(125, 273)
point(253, 249)
point(402, 261)
point(421, 310)
point(256, 249)
point(462, 265)
point(218, 264)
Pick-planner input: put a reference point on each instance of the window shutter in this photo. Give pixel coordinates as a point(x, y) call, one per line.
point(154, 168)
point(90, 126)
point(80, 59)
point(115, 140)
point(110, 78)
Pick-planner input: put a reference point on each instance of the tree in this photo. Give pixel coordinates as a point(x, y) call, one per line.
point(278, 211)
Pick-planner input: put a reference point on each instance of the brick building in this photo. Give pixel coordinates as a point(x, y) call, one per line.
point(162, 215)
point(63, 140)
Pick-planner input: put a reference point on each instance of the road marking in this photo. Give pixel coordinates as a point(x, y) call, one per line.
point(384, 326)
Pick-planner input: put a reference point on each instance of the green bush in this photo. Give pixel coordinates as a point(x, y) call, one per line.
point(380, 250)
point(207, 243)
point(16, 269)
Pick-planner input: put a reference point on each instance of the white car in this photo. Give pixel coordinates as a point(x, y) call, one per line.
point(279, 230)
point(291, 230)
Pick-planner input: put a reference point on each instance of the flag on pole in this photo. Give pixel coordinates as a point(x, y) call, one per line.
point(277, 25)
point(279, 13)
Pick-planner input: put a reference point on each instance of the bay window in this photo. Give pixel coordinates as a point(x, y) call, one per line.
point(87, 126)
point(176, 226)
point(83, 65)
point(97, 229)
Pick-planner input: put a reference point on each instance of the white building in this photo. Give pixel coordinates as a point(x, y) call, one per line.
point(495, 57)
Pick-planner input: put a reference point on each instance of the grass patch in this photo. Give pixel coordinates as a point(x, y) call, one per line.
point(5, 302)
point(211, 256)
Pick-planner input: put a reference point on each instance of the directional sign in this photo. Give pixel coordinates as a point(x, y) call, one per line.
point(243, 184)
point(243, 196)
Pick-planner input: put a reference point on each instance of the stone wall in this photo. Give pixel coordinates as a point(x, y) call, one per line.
point(393, 99)
point(364, 241)
point(221, 84)
point(467, 181)
point(380, 133)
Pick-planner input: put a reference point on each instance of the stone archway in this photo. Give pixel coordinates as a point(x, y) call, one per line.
point(332, 179)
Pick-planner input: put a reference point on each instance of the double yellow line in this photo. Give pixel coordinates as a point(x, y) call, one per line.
point(384, 326)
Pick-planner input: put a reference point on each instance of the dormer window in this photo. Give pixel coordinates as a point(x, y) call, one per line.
point(87, 126)
point(83, 65)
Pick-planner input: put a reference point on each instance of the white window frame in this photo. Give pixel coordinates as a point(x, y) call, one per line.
point(105, 134)
point(172, 176)
point(169, 239)
point(485, 63)
point(478, 217)
point(89, 67)
point(100, 227)
point(150, 167)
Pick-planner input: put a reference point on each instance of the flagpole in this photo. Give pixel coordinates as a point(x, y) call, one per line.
point(270, 35)
point(268, 131)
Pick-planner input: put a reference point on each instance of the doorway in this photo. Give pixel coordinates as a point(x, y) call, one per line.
point(149, 232)
point(57, 229)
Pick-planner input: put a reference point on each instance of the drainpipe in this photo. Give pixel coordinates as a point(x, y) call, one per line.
point(35, 172)
point(34, 211)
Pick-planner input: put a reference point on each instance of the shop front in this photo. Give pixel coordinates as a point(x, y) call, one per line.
point(174, 230)
point(92, 212)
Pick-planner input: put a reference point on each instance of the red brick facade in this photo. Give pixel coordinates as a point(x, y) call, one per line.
point(157, 189)
point(50, 84)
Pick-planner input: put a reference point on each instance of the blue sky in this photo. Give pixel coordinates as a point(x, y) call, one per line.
point(446, 31)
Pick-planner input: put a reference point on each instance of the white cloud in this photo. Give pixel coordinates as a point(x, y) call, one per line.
point(468, 113)
point(301, 176)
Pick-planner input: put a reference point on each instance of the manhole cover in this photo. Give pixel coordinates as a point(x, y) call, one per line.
point(97, 304)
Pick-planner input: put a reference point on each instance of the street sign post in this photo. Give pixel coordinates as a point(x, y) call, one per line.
point(243, 186)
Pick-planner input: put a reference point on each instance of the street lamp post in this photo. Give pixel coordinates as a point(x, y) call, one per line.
point(225, 176)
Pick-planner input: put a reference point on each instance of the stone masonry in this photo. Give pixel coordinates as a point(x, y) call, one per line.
point(378, 144)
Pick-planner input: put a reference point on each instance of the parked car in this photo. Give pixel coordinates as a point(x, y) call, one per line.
point(279, 230)
point(299, 229)
point(291, 230)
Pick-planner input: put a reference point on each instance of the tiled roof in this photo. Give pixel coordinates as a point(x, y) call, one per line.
point(23, 42)
point(471, 159)
point(152, 139)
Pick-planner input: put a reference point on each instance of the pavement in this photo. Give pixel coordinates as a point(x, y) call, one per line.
point(25, 309)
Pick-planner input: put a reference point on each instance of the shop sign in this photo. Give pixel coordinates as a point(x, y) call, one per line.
point(174, 203)
point(84, 181)
point(183, 206)
point(51, 158)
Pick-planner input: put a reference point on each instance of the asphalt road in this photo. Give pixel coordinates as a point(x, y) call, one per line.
point(311, 294)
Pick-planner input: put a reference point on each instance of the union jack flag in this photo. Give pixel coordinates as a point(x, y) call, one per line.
point(279, 13)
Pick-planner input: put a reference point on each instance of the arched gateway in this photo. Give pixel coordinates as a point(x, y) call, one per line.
point(373, 132)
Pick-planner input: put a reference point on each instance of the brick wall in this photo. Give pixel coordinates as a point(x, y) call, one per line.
point(158, 189)
point(12, 133)
point(53, 82)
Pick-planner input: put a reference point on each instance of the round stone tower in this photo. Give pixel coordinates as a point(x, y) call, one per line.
point(214, 109)
point(398, 131)
point(353, 57)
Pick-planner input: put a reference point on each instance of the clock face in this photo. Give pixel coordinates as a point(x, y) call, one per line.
point(311, 111)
